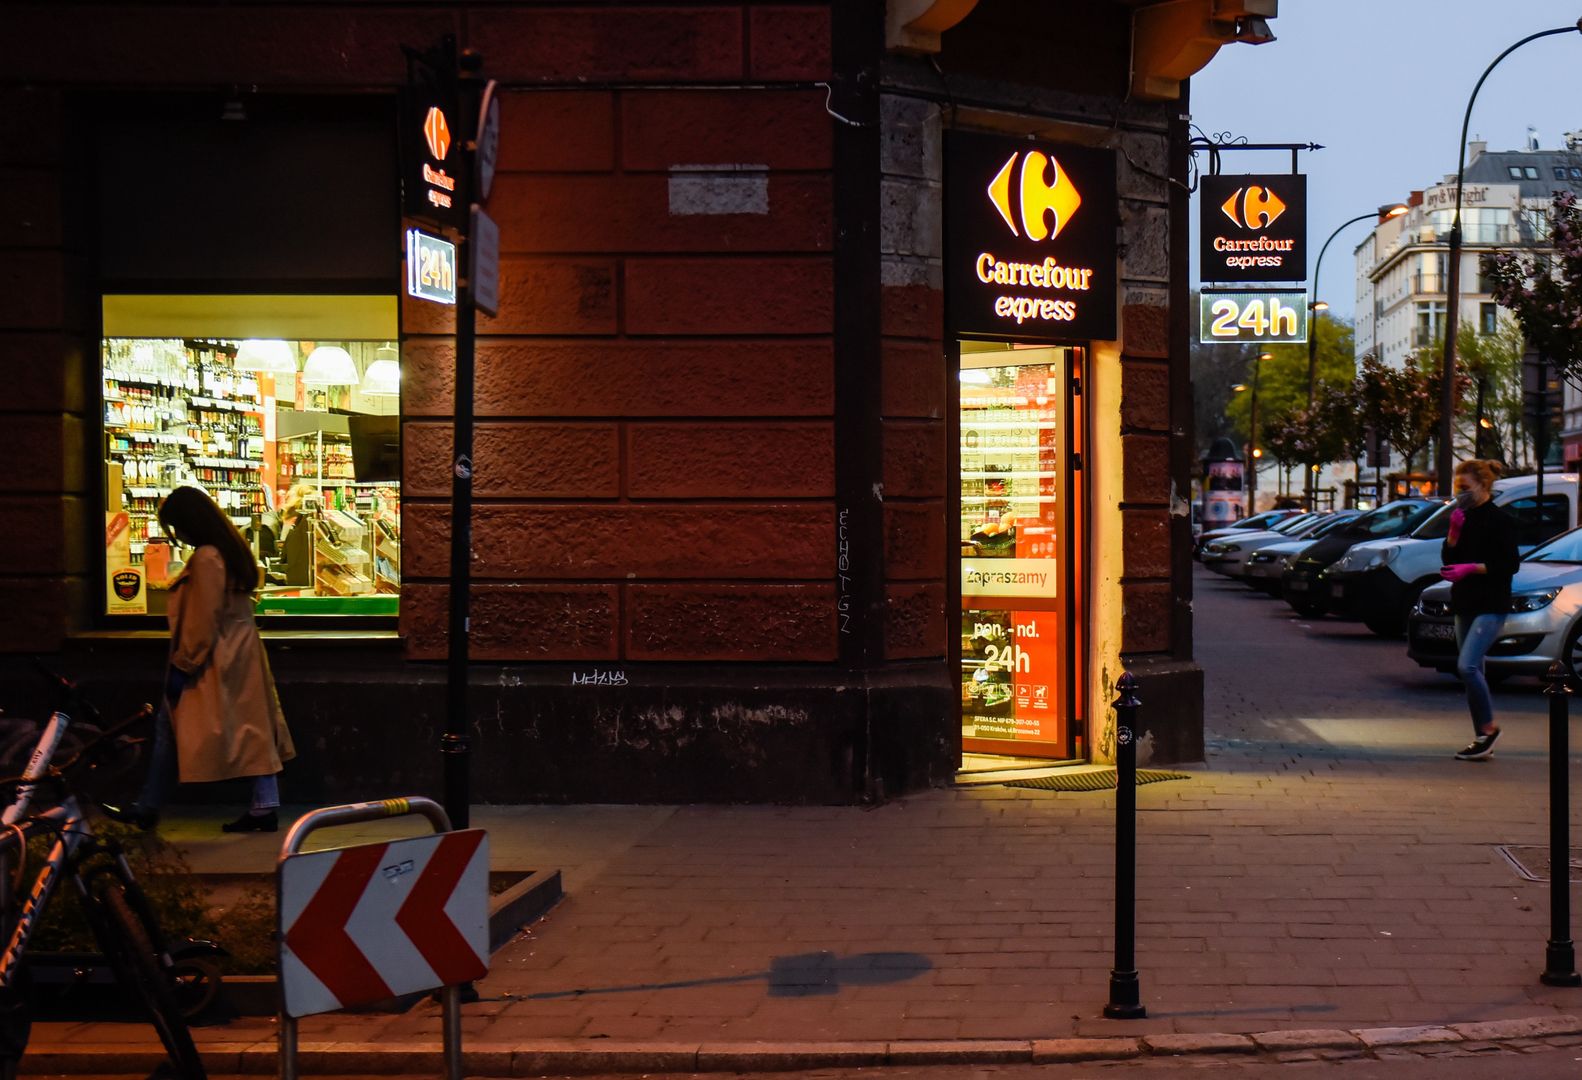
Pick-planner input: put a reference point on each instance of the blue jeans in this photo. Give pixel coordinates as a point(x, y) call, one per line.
point(162, 772)
point(1475, 635)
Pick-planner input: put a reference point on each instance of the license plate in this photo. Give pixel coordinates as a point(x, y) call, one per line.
point(1436, 632)
point(1298, 585)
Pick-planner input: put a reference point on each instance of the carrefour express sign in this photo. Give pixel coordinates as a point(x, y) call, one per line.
point(1030, 243)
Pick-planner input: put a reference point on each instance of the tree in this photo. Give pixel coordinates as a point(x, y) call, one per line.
point(1493, 362)
point(1544, 290)
point(1282, 380)
point(1215, 371)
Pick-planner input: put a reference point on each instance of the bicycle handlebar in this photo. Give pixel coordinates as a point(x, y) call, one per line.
point(89, 750)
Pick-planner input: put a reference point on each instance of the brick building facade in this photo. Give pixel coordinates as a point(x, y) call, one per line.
point(720, 376)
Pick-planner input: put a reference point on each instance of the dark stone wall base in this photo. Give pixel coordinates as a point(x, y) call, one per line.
point(1171, 715)
point(367, 725)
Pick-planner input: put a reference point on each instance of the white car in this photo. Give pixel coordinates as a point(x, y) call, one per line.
point(1379, 581)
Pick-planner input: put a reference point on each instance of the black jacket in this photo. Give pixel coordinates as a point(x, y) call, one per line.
point(1488, 536)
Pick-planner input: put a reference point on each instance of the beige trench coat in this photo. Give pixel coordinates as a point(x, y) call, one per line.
point(228, 721)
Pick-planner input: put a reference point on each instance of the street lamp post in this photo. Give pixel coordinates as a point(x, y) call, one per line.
point(1253, 453)
point(1447, 391)
point(1314, 306)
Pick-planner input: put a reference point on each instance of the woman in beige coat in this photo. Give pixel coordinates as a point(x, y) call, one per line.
point(220, 702)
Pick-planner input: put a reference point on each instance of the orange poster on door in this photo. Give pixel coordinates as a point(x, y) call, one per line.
point(1036, 692)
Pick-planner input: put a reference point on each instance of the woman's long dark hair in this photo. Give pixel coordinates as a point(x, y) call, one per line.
point(189, 512)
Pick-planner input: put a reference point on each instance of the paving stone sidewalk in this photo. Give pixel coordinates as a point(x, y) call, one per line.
point(1306, 889)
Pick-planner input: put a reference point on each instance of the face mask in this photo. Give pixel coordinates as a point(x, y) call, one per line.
point(1465, 499)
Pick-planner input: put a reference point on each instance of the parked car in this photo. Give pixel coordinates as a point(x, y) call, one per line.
point(1544, 624)
point(1255, 522)
point(1228, 555)
point(1301, 584)
point(1265, 566)
point(1379, 581)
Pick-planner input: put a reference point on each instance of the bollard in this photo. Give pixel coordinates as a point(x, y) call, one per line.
point(1560, 963)
point(1125, 993)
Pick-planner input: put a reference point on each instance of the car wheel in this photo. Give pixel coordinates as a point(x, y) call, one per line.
point(1307, 609)
point(1571, 654)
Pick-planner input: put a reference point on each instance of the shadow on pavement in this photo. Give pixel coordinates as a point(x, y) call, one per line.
point(800, 975)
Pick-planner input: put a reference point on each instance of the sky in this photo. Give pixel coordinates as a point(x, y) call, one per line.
point(1382, 86)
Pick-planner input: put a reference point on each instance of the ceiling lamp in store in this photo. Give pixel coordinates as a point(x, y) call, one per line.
point(383, 377)
point(329, 365)
point(270, 357)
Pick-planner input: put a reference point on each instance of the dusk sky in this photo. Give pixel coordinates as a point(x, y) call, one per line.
point(1382, 86)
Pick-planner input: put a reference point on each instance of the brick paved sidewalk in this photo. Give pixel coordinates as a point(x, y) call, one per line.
point(1301, 889)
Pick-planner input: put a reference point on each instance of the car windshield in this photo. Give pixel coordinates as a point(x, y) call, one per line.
point(1437, 527)
point(1327, 527)
point(1292, 525)
point(1396, 519)
point(1259, 521)
point(1565, 548)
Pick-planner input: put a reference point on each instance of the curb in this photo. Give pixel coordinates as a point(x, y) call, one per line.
point(582, 1056)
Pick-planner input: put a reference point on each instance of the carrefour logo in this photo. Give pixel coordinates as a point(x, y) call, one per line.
point(436, 132)
point(1253, 207)
point(1047, 198)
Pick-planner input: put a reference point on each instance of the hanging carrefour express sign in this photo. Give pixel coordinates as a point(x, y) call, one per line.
point(1030, 241)
point(1253, 227)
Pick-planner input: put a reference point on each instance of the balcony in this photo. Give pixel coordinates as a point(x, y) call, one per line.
point(1428, 282)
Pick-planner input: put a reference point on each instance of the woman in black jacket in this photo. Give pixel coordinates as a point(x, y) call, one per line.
point(1480, 560)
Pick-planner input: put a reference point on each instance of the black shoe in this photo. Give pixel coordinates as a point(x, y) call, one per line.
point(1480, 748)
point(131, 815)
point(250, 822)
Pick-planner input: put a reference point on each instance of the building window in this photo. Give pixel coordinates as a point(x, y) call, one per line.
point(1430, 323)
point(1576, 173)
point(286, 411)
point(1516, 172)
point(1530, 172)
point(1560, 172)
point(1488, 317)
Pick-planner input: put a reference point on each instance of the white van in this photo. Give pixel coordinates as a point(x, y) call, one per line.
point(1378, 581)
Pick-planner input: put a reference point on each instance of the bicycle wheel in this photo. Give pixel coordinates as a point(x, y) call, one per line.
point(127, 945)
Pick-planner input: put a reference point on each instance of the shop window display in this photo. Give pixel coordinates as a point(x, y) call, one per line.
point(297, 440)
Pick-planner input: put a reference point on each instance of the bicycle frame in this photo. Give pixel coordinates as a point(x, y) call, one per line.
point(66, 821)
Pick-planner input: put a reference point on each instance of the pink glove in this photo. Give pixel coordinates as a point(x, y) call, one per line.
point(1457, 517)
point(1457, 571)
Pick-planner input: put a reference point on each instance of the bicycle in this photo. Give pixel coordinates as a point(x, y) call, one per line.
point(116, 908)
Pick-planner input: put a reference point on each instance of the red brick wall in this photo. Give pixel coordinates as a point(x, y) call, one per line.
point(44, 508)
point(655, 475)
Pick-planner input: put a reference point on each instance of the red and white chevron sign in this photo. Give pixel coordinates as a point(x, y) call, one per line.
point(361, 924)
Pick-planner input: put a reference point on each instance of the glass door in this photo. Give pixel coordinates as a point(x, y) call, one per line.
point(1019, 546)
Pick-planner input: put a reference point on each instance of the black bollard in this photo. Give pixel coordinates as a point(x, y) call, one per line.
point(1560, 962)
point(1125, 993)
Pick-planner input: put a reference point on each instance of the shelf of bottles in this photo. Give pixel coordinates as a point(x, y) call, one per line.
point(177, 411)
point(1010, 461)
point(320, 458)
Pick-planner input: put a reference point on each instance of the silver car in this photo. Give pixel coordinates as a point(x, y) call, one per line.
point(1228, 554)
point(1544, 624)
point(1265, 564)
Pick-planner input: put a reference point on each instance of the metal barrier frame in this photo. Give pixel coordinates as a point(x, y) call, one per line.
point(350, 814)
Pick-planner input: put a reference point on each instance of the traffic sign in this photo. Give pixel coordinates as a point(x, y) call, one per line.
point(484, 275)
point(362, 924)
point(488, 152)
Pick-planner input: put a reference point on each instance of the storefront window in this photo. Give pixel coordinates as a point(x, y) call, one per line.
point(1017, 535)
point(296, 438)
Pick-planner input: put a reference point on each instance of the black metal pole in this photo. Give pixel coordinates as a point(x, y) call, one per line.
point(1125, 992)
point(1447, 389)
point(456, 743)
point(1560, 963)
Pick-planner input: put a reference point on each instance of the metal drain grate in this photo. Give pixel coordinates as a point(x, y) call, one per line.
point(1093, 780)
point(1532, 861)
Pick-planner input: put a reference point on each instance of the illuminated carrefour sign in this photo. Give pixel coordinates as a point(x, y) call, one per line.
point(1031, 238)
point(1253, 227)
